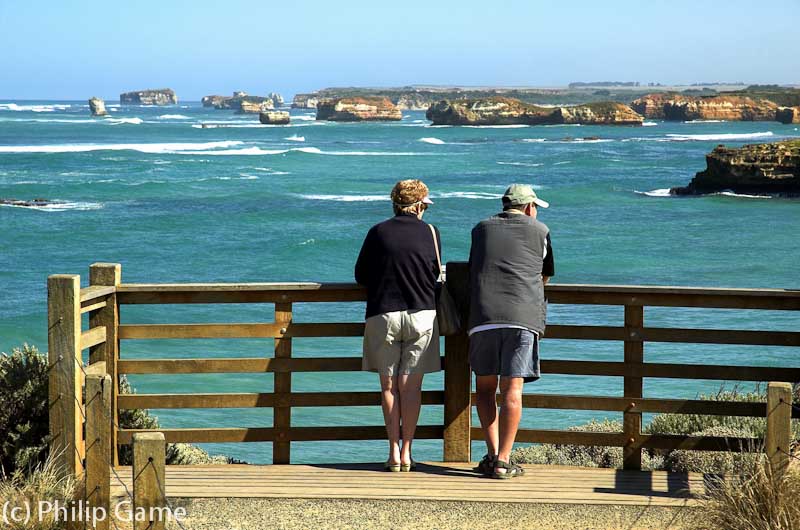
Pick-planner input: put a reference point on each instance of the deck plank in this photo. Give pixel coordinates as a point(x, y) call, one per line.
point(432, 481)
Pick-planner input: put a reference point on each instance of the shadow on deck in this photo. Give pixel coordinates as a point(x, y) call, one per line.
point(431, 481)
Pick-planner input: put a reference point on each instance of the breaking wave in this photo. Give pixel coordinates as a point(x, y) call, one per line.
point(33, 108)
point(525, 164)
point(714, 137)
point(344, 198)
point(296, 138)
point(156, 148)
point(173, 117)
point(434, 141)
point(58, 206)
point(661, 192)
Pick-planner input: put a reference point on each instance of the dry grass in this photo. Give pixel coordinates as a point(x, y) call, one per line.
point(756, 500)
point(44, 483)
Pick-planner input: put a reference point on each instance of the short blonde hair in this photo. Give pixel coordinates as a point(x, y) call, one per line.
point(406, 194)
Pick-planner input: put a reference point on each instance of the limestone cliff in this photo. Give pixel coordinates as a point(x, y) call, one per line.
point(772, 168)
point(277, 99)
point(254, 105)
point(98, 107)
point(508, 111)
point(358, 109)
point(788, 115)
point(274, 118)
point(305, 101)
point(679, 107)
point(160, 96)
point(240, 102)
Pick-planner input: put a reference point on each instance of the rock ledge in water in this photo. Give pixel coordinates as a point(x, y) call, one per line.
point(274, 118)
point(755, 169)
point(98, 107)
point(158, 96)
point(508, 111)
point(358, 109)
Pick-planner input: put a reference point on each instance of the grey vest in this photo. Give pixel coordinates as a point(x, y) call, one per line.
point(505, 274)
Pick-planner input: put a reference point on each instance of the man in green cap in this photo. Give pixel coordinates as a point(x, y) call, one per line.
point(511, 260)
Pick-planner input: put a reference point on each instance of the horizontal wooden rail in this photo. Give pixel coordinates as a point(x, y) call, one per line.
point(93, 337)
point(657, 296)
point(296, 399)
point(239, 331)
point(239, 365)
point(93, 292)
point(654, 405)
point(645, 441)
point(93, 306)
point(564, 367)
point(268, 434)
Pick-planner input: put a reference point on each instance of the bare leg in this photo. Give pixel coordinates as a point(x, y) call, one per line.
point(390, 401)
point(510, 414)
point(486, 389)
point(410, 401)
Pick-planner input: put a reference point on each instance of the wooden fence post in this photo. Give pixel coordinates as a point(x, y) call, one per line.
point(108, 351)
point(457, 375)
point(65, 381)
point(779, 426)
point(634, 356)
point(282, 412)
point(149, 484)
point(98, 441)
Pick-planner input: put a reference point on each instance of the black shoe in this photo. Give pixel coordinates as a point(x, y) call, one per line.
point(486, 465)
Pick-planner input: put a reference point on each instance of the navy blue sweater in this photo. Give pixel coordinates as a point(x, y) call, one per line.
point(398, 266)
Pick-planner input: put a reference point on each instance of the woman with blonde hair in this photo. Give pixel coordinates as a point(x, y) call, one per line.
point(398, 265)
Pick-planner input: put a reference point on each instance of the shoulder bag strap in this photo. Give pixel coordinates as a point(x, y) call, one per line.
point(436, 246)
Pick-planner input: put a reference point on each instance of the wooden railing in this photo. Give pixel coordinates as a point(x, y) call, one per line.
point(106, 295)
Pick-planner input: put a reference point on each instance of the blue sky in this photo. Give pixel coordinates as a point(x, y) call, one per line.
point(75, 49)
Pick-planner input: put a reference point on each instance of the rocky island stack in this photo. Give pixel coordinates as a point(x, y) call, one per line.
point(277, 117)
point(159, 96)
point(509, 111)
point(98, 107)
point(681, 107)
point(358, 109)
point(755, 169)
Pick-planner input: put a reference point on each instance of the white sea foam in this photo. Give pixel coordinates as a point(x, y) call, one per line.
point(524, 164)
point(561, 163)
point(715, 137)
point(308, 242)
point(705, 121)
point(661, 192)
point(344, 198)
point(59, 206)
point(534, 140)
point(466, 195)
point(741, 195)
point(122, 121)
point(296, 138)
point(173, 117)
point(649, 124)
point(33, 108)
point(304, 117)
point(430, 140)
point(154, 148)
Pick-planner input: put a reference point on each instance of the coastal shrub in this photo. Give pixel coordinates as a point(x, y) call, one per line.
point(29, 487)
point(23, 409)
point(756, 499)
point(25, 419)
point(673, 460)
point(582, 455)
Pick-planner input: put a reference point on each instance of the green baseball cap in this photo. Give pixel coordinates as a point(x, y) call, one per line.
point(518, 194)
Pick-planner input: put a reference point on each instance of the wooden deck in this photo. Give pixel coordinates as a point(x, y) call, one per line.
point(431, 481)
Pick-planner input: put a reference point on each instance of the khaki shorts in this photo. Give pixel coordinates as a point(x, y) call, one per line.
point(402, 342)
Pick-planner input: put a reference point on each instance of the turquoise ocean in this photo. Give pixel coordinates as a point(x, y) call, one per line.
point(174, 201)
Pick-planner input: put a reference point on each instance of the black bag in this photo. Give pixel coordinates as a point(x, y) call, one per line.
point(447, 313)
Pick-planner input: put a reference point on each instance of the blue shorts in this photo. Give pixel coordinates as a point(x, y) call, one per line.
point(507, 352)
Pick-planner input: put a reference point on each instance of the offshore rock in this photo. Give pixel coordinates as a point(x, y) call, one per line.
point(755, 169)
point(788, 114)
point(305, 101)
point(508, 111)
point(413, 102)
point(213, 101)
point(254, 105)
point(274, 118)
point(98, 107)
point(160, 96)
point(679, 107)
point(358, 109)
point(277, 99)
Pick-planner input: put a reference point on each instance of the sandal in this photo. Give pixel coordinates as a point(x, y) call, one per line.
point(391, 467)
point(486, 465)
point(408, 467)
point(511, 470)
